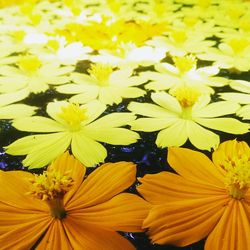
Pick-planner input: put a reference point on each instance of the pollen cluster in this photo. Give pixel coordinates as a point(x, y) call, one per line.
point(29, 64)
point(50, 185)
point(101, 73)
point(73, 115)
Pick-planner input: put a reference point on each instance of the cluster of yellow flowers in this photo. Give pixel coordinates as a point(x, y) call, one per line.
point(179, 68)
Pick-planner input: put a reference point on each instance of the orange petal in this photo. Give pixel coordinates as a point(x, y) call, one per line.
point(184, 222)
point(14, 186)
point(124, 212)
point(232, 231)
point(68, 163)
point(102, 184)
point(84, 236)
point(24, 234)
point(194, 166)
point(165, 186)
point(55, 238)
point(12, 217)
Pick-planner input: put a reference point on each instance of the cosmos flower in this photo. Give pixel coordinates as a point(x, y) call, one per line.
point(32, 75)
point(232, 54)
point(59, 209)
point(207, 199)
point(179, 43)
point(104, 84)
point(183, 116)
point(71, 125)
point(241, 98)
point(184, 72)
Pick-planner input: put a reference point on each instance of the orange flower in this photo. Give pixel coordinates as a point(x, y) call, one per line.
point(64, 211)
point(207, 199)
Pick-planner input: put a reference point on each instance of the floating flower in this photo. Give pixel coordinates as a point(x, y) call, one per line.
point(180, 43)
point(184, 72)
point(104, 84)
point(207, 199)
point(71, 125)
point(129, 55)
point(32, 75)
point(59, 209)
point(241, 98)
point(233, 54)
point(184, 116)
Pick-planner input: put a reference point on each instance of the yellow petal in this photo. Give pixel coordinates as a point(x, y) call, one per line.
point(86, 150)
point(104, 183)
point(14, 111)
point(124, 212)
point(195, 166)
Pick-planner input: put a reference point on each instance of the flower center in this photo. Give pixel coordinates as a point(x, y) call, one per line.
point(185, 63)
point(101, 73)
point(238, 45)
point(50, 187)
point(29, 64)
point(53, 45)
point(179, 36)
point(73, 115)
point(237, 179)
point(186, 96)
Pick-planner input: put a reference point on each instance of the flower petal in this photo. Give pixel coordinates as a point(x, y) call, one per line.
point(202, 138)
point(24, 236)
point(195, 166)
point(86, 236)
point(175, 135)
point(232, 231)
point(55, 238)
point(124, 212)
point(37, 124)
point(155, 188)
point(14, 111)
point(86, 150)
point(228, 125)
point(104, 183)
point(183, 222)
point(14, 186)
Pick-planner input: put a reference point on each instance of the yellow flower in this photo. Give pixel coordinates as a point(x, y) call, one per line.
point(233, 54)
point(241, 98)
point(184, 116)
point(183, 73)
point(32, 75)
point(207, 199)
point(71, 125)
point(104, 84)
point(180, 42)
point(59, 209)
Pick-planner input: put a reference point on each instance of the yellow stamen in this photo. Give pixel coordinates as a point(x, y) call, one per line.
point(18, 35)
point(53, 45)
point(186, 96)
point(29, 64)
point(51, 186)
point(238, 44)
point(101, 73)
point(236, 163)
point(73, 115)
point(179, 36)
point(185, 63)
